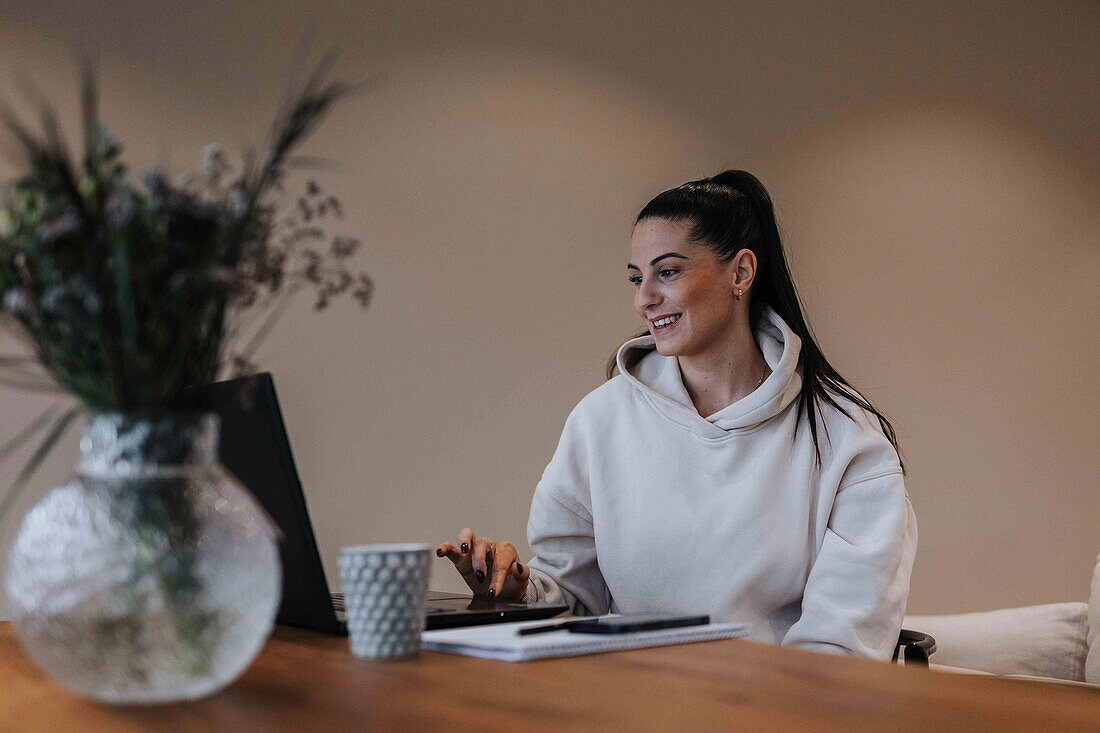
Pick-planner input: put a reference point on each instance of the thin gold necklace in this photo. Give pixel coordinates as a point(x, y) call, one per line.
point(762, 375)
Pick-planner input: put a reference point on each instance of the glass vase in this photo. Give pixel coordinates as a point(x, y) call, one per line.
point(151, 577)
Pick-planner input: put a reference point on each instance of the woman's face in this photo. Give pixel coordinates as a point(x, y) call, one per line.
point(676, 277)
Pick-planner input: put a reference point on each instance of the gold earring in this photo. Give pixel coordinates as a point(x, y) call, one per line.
point(739, 293)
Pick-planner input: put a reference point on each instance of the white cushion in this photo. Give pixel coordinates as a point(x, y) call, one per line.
point(1043, 641)
point(954, 670)
point(1092, 664)
point(1052, 680)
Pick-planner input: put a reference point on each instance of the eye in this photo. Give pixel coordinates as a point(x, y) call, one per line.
point(665, 273)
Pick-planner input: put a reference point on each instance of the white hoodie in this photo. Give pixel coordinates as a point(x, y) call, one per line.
point(647, 506)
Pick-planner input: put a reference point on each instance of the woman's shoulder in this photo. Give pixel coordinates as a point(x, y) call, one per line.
point(847, 416)
point(854, 435)
point(609, 393)
point(603, 401)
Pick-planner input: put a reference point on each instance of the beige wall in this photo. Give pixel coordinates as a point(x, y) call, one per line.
point(934, 169)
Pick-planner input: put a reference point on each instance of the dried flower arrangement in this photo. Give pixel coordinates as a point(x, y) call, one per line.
point(127, 294)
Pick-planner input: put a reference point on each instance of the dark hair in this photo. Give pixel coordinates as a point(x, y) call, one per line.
point(730, 212)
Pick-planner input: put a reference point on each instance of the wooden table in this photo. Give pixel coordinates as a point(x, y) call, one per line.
point(308, 681)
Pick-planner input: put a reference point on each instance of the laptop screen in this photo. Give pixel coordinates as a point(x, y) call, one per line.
point(254, 447)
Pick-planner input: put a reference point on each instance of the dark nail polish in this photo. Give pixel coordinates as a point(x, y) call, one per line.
point(465, 548)
point(438, 552)
point(480, 574)
point(492, 592)
point(519, 566)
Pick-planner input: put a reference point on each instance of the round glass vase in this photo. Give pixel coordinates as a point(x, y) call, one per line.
point(151, 577)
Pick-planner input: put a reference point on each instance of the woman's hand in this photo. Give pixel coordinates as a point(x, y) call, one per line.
point(490, 567)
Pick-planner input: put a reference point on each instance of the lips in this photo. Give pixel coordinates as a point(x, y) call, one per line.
point(665, 329)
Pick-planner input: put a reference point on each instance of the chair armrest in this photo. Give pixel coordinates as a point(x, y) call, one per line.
point(918, 647)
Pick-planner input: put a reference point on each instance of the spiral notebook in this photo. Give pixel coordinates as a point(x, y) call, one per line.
point(499, 641)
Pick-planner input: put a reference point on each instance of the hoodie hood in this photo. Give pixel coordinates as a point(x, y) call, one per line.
point(659, 380)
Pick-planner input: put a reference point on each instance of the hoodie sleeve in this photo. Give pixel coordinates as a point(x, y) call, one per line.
point(559, 530)
point(855, 595)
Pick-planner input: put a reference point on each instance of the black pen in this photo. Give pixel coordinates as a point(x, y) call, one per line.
point(550, 627)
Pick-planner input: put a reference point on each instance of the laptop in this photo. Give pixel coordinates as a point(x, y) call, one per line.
point(254, 447)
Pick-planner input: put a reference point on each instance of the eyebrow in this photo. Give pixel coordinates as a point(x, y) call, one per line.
point(658, 259)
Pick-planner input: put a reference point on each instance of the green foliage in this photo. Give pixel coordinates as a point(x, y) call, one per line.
point(130, 293)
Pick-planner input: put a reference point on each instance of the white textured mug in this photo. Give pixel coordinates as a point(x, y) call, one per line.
point(385, 590)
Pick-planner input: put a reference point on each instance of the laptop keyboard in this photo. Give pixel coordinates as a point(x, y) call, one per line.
point(341, 612)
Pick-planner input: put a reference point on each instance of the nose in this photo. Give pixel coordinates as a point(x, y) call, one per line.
point(646, 296)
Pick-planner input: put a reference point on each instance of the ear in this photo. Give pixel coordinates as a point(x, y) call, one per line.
point(743, 269)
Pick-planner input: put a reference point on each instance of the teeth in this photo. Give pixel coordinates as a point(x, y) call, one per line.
point(666, 321)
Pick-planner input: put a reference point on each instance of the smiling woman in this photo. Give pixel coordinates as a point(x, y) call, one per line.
point(706, 444)
point(720, 234)
point(688, 298)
